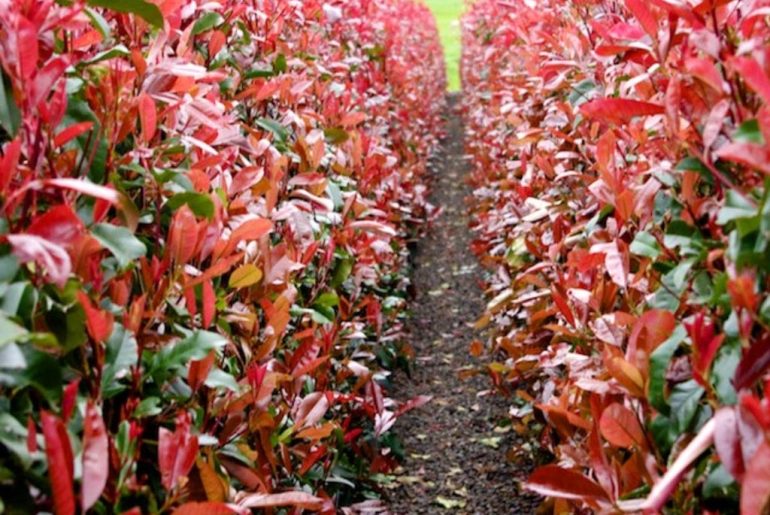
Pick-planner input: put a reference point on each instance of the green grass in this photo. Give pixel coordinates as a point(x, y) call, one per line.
point(447, 14)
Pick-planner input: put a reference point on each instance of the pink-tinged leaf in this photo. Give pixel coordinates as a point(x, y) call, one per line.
point(705, 70)
point(714, 123)
point(28, 49)
point(750, 154)
point(753, 365)
point(620, 426)
point(176, 452)
point(70, 133)
point(668, 483)
point(619, 110)
point(148, 117)
point(85, 187)
point(754, 76)
point(554, 481)
point(616, 261)
point(641, 11)
point(69, 398)
point(59, 225)
point(727, 440)
point(207, 508)
point(8, 163)
point(299, 499)
point(52, 258)
point(373, 227)
point(46, 79)
point(99, 322)
point(95, 457)
point(755, 489)
point(59, 454)
point(248, 231)
point(311, 410)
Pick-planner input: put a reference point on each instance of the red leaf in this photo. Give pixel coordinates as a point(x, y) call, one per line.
point(209, 303)
point(95, 457)
point(68, 399)
point(46, 79)
point(748, 154)
point(98, 322)
point(199, 370)
point(59, 454)
point(620, 426)
point(204, 508)
point(755, 77)
point(644, 15)
point(28, 48)
point(741, 289)
point(755, 489)
point(248, 231)
point(147, 117)
point(71, 132)
point(31, 435)
point(58, 224)
point(11, 154)
point(753, 365)
point(298, 499)
point(619, 110)
point(176, 452)
point(554, 481)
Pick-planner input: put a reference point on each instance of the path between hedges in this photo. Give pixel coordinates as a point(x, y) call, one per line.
point(455, 446)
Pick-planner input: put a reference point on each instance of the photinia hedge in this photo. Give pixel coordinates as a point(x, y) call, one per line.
point(620, 161)
point(203, 229)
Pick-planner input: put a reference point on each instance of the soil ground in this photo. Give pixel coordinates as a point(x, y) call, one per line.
point(457, 445)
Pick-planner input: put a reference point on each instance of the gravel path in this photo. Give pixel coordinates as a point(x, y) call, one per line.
point(457, 445)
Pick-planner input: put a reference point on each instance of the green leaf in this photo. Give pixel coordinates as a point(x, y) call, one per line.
point(149, 407)
point(174, 357)
point(145, 10)
point(10, 117)
point(278, 130)
point(199, 203)
point(120, 356)
point(328, 299)
point(207, 22)
point(684, 400)
point(10, 332)
point(68, 324)
point(116, 51)
point(13, 435)
point(99, 23)
point(736, 207)
point(11, 357)
point(580, 94)
point(43, 373)
point(644, 244)
point(121, 242)
point(336, 135)
point(748, 132)
point(9, 267)
point(680, 234)
point(219, 379)
point(723, 371)
point(659, 361)
point(279, 64)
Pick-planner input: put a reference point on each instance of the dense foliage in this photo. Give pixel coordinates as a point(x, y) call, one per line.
point(620, 153)
point(205, 212)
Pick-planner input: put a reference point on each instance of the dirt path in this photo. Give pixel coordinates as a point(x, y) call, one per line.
point(456, 446)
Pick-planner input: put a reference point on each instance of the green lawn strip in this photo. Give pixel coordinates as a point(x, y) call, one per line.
point(447, 14)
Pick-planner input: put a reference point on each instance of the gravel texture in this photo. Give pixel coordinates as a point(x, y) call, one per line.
point(459, 447)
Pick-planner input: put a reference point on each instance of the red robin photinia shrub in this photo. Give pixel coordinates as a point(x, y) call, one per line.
point(620, 164)
point(205, 211)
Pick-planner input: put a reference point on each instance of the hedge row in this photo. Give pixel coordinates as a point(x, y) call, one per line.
point(205, 211)
point(620, 153)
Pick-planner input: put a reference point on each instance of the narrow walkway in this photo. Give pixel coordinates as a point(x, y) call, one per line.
point(456, 445)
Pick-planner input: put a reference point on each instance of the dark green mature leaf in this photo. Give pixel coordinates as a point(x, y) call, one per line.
point(172, 358)
point(145, 10)
point(736, 207)
point(684, 401)
point(199, 203)
point(121, 242)
point(207, 22)
point(278, 130)
point(121, 355)
point(10, 117)
point(644, 244)
point(659, 361)
point(748, 132)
